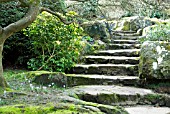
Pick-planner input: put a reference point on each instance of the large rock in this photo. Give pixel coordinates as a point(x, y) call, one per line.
point(99, 29)
point(48, 78)
point(154, 60)
point(134, 23)
point(146, 30)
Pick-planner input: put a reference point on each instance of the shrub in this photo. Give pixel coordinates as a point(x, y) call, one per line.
point(57, 46)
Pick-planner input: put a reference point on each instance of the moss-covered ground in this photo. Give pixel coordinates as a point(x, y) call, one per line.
point(25, 97)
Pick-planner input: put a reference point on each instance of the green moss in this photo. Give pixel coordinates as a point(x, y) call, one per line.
point(125, 26)
point(10, 110)
point(33, 74)
point(151, 97)
point(20, 109)
point(1, 90)
point(65, 112)
point(108, 98)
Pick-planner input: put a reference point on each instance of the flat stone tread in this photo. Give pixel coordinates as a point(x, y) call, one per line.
point(120, 50)
point(103, 76)
point(113, 89)
point(128, 37)
point(121, 40)
point(112, 57)
point(148, 110)
point(127, 32)
point(125, 44)
point(101, 65)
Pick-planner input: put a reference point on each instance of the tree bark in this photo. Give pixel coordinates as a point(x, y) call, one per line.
point(34, 8)
point(9, 30)
point(3, 82)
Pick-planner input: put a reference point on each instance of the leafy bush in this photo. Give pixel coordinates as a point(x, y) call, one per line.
point(56, 46)
point(158, 33)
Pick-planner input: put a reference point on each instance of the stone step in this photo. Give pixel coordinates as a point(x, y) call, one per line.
point(147, 110)
point(106, 69)
point(124, 32)
point(111, 59)
point(123, 46)
point(93, 79)
point(123, 52)
point(124, 41)
point(125, 37)
point(120, 95)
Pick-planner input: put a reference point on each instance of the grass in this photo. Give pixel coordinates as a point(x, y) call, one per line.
point(14, 74)
point(34, 94)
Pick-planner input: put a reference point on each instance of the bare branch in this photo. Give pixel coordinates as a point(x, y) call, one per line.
point(24, 22)
point(56, 14)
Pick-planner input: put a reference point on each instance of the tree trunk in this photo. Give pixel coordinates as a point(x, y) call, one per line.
point(3, 82)
point(34, 8)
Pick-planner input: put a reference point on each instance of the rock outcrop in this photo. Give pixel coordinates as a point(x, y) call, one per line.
point(154, 60)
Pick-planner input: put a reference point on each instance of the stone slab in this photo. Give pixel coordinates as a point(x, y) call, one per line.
point(111, 59)
point(126, 37)
point(122, 52)
point(106, 69)
point(124, 41)
point(115, 95)
point(148, 110)
point(121, 90)
point(79, 79)
point(123, 46)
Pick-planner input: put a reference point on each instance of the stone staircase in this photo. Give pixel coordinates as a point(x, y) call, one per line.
point(108, 77)
point(117, 64)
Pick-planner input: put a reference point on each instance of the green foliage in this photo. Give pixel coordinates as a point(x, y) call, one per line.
point(17, 45)
point(158, 33)
point(146, 8)
point(57, 46)
point(152, 13)
point(55, 5)
point(87, 9)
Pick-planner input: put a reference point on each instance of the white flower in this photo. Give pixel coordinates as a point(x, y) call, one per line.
point(4, 93)
point(31, 86)
point(49, 85)
point(159, 60)
point(155, 65)
point(64, 86)
point(158, 49)
point(44, 87)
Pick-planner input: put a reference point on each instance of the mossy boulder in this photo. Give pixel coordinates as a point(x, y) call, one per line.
point(134, 23)
point(45, 78)
point(154, 60)
point(61, 108)
point(99, 29)
point(148, 29)
point(123, 26)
